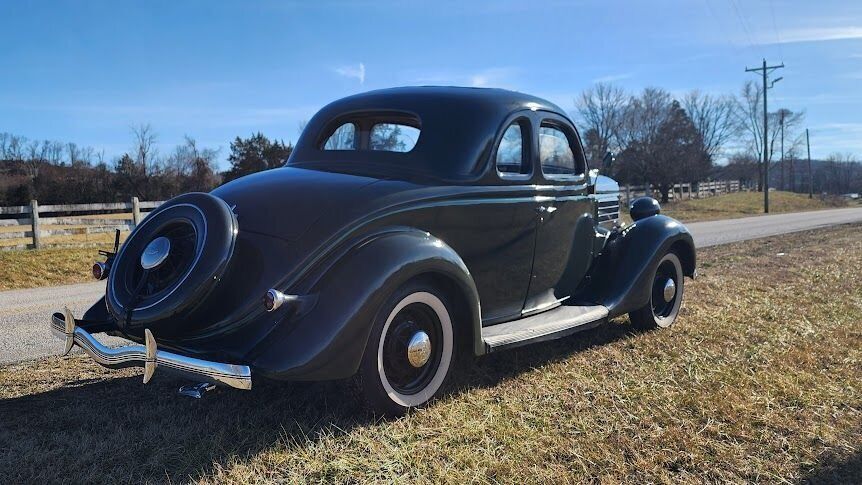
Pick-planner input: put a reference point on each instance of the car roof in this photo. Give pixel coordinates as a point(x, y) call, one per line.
point(458, 125)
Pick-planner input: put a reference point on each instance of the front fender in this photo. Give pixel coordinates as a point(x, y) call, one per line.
point(623, 273)
point(328, 341)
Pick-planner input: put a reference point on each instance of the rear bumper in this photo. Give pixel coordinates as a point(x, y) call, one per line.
point(148, 356)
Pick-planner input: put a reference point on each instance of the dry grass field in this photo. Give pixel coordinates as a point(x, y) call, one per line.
point(46, 267)
point(745, 204)
point(760, 380)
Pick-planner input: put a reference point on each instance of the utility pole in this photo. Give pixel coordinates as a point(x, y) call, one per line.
point(781, 112)
point(765, 71)
point(810, 178)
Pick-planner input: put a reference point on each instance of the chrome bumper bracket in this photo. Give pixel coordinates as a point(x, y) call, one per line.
point(148, 356)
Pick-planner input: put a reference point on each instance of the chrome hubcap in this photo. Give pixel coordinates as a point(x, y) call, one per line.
point(669, 290)
point(156, 252)
point(419, 349)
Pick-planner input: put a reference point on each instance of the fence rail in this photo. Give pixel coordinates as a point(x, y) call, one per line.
point(699, 190)
point(28, 222)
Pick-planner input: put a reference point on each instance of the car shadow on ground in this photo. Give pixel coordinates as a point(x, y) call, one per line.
point(119, 430)
point(836, 469)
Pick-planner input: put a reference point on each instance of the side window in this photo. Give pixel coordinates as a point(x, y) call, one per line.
point(343, 138)
point(393, 137)
point(555, 152)
point(511, 154)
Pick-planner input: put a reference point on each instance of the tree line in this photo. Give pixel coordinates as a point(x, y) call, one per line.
point(658, 138)
point(661, 140)
point(64, 173)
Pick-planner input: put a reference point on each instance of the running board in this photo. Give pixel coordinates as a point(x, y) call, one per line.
point(552, 324)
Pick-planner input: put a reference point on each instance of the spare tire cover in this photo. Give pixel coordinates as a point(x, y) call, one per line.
point(200, 230)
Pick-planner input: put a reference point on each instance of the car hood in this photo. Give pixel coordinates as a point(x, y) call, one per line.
point(285, 202)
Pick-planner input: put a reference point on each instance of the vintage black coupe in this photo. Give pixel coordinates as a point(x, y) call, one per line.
point(410, 228)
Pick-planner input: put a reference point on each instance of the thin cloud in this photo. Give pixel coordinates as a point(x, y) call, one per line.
point(613, 77)
point(354, 72)
point(496, 77)
point(815, 34)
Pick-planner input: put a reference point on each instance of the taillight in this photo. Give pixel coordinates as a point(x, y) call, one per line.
point(273, 299)
point(100, 270)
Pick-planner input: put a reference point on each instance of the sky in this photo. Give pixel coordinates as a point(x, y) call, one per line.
point(87, 72)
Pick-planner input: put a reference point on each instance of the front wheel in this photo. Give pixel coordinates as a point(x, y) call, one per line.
point(665, 296)
point(410, 352)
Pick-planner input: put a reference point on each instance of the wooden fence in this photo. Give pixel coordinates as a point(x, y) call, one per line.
point(36, 226)
point(683, 191)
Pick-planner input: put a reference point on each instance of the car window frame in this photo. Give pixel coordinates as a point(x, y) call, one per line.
point(571, 134)
point(356, 137)
point(526, 125)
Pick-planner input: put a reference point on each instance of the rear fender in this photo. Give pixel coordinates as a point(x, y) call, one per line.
point(624, 269)
point(328, 341)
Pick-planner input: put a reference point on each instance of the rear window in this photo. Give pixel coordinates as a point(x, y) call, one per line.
point(392, 137)
point(374, 133)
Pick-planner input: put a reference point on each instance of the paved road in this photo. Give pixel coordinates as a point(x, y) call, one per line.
point(712, 233)
point(24, 313)
point(24, 316)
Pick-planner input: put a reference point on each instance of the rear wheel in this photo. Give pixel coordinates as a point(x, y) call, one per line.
point(410, 352)
point(665, 296)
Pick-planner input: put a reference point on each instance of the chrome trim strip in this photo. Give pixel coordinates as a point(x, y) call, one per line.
point(545, 306)
point(149, 357)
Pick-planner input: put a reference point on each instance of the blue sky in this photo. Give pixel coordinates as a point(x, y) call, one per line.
point(87, 71)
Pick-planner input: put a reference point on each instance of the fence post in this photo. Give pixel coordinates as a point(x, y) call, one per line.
point(34, 222)
point(136, 212)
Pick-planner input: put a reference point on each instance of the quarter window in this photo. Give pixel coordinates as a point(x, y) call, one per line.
point(511, 157)
point(555, 152)
point(343, 138)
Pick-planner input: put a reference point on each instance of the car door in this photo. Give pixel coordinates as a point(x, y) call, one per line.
point(565, 229)
point(503, 270)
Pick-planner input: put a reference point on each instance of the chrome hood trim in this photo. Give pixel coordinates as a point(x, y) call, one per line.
point(148, 356)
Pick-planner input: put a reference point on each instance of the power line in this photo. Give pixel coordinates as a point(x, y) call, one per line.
point(775, 28)
point(742, 22)
point(765, 71)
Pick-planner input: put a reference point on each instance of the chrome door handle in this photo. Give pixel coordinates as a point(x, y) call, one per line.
point(546, 209)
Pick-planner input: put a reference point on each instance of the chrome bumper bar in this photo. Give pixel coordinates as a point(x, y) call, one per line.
point(148, 356)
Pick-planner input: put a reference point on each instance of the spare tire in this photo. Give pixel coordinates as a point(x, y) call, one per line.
point(171, 263)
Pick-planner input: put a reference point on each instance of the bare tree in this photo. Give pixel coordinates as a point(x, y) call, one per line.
point(145, 147)
point(750, 117)
point(715, 119)
point(600, 111)
point(53, 151)
point(32, 158)
point(638, 132)
point(73, 153)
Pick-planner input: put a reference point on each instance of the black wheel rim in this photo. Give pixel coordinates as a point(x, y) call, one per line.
point(401, 374)
point(666, 271)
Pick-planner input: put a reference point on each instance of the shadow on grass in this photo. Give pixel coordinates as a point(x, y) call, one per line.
point(847, 469)
point(119, 430)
